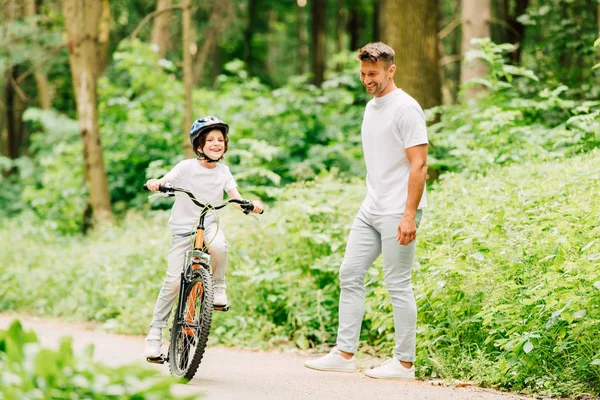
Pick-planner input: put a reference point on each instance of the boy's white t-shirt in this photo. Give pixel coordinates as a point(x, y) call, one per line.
point(391, 124)
point(206, 183)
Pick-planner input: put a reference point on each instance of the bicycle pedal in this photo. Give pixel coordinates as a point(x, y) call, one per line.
point(157, 360)
point(224, 308)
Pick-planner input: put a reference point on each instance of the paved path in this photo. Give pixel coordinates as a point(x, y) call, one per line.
point(243, 374)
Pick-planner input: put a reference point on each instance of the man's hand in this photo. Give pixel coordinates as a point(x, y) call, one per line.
point(152, 184)
point(407, 230)
point(258, 206)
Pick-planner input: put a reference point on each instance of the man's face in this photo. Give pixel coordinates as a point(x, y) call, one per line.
point(376, 77)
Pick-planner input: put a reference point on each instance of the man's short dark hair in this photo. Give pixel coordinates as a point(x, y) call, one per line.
point(373, 52)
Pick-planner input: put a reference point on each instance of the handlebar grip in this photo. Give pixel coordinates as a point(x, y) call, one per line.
point(146, 187)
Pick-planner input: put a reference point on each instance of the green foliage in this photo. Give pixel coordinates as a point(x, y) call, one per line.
point(277, 136)
point(52, 179)
point(535, 331)
point(539, 252)
point(29, 371)
point(515, 120)
point(557, 43)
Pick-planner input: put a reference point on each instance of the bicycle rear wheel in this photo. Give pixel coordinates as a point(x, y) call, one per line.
point(190, 333)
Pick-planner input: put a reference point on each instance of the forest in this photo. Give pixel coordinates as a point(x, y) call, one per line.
point(97, 96)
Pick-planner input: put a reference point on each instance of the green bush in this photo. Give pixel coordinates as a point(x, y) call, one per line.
point(29, 371)
point(517, 119)
point(507, 282)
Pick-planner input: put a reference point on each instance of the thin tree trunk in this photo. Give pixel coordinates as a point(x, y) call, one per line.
point(354, 25)
point(82, 21)
point(160, 28)
point(376, 24)
point(248, 37)
point(476, 17)
point(220, 18)
point(340, 23)
point(103, 37)
point(270, 61)
point(410, 28)
point(41, 80)
point(318, 41)
point(188, 78)
point(303, 50)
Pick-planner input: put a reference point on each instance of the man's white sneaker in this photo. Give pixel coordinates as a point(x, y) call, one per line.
point(332, 362)
point(391, 369)
point(220, 297)
point(153, 344)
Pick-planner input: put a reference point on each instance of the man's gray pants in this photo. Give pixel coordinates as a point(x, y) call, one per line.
point(179, 245)
point(370, 236)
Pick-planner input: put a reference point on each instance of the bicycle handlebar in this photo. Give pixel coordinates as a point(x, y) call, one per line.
point(167, 188)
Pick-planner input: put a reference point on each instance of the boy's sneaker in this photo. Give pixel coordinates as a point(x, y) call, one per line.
point(332, 362)
point(153, 343)
point(391, 369)
point(220, 297)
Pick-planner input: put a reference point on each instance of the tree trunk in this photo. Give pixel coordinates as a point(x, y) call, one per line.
point(476, 17)
point(270, 60)
point(354, 25)
point(41, 80)
point(340, 23)
point(251, 22)
point(160, 28)
point(14, 101)
point(303, 50)
point(188, 77)
point(318, 41)
point(410, 28)
point(82, 21)
point(220, 18)
point(514, 30)
point(103, 37)
point(376, 24)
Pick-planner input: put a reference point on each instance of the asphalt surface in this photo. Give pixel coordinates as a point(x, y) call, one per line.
point(243, 374)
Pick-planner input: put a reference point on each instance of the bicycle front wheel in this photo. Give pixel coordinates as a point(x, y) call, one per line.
point(192, 326)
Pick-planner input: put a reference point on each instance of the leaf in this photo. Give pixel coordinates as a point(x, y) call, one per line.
point(597, 285)
point(594, 257)
point(595, 362)
point(478, 256)
point(528, 347)
point(580, 314)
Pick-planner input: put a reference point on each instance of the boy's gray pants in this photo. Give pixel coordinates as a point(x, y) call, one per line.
point(370, 236)
point(179, 245)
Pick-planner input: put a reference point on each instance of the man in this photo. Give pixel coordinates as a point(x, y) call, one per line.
point(394, 138)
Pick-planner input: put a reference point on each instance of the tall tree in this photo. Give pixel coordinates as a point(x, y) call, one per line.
point(221, 15)
point(302, 36)
point(82, 21)
point(476, 16)
point(251, 23)
point(13, 100)
point(513, 29)
point(160, 27)
point(410, 28)
point(188, 77)
point(318, 40)
point(41, 80)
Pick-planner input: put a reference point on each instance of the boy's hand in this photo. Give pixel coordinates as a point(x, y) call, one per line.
point(152, 184)
point(258, 207)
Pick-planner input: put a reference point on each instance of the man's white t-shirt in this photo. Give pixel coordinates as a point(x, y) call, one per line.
point(209, 184)
point(391, 124)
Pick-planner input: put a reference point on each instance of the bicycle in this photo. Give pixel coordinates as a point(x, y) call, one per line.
point(193, 316)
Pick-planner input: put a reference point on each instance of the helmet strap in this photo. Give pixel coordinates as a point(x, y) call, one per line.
point(202, 156)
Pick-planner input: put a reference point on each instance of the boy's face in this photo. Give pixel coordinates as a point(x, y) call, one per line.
point(214, 147)
point(376, 77)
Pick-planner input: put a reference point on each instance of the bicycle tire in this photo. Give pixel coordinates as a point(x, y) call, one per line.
point(185, 343)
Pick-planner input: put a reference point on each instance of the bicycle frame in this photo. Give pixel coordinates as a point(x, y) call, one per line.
point(194, 259)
